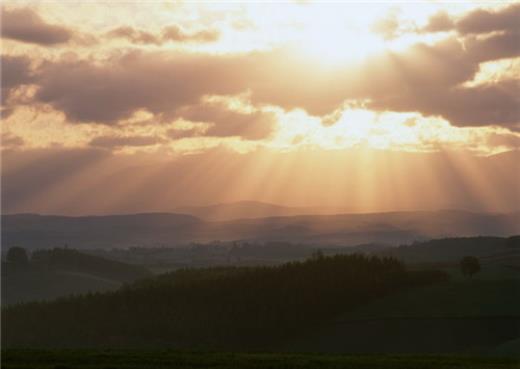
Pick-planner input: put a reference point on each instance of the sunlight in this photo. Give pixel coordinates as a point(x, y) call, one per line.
point(335, 44)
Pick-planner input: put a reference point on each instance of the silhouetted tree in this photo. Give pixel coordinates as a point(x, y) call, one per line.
point(17, 255)
point(231, 308)
point(317, 255)
point(469, 265)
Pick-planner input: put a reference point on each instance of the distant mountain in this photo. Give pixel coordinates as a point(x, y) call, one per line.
point(161, 229)
point(252, 209)
point(45, 231)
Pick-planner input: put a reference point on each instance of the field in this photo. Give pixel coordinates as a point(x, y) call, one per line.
point(121, 359)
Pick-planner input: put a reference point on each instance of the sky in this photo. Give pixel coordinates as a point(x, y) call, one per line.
point(116, 107)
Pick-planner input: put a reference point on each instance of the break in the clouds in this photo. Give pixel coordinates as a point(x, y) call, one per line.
point(25, 25)
point(154, 105)
point(424, 78)
point(169, 68)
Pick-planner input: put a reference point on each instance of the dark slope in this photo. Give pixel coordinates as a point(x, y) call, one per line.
point(61, 272)
point(232, 308)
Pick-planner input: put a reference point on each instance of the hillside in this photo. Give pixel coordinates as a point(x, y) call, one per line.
point(491, 250)
point(60, 272)
point(46, 231)
point(233, 308)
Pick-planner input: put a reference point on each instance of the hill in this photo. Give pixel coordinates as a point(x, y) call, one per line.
point(148, 230)
point(252, 209)
point(232, 308)
point(46, 231)
point(60, 272)
point(491, 250)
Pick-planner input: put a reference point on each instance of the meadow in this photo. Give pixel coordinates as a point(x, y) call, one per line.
point(142, 359)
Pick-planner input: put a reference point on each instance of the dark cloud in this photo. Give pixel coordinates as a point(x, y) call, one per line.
point(255, 125)
point(15, 71)
point(11, 141)
point(429, 79)
point(485, 21)
point(423, 78)
point(170, 33)
point(494, 47)
point(477, 106)
point(157, 82)
point(134, 35)
point(439, 22)
point(478, 21)
point(112, 142)
point(25, 25)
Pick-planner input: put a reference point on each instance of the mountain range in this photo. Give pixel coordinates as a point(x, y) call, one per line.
point(201, 225)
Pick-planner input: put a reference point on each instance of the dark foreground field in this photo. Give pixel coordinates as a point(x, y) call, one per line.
point(82, 359)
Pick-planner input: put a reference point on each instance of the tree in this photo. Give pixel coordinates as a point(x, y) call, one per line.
point(469, 265)
point(317, 255)
point(17, 255)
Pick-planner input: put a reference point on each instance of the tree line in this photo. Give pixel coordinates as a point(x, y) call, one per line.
point(234, 308)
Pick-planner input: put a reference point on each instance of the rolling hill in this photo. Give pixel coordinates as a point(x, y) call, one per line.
point(61, 272)
point(164, 229)
point(253, 209)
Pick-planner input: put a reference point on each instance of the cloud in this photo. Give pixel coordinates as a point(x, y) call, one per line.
point(114, 90)
point(497, 104)
point(25, 25)
point(485, 21)
point(134, 35)
point(114, 142)
point(423, 78)
point(439, 22)
point(387, 27)
point(250, 125)
point(510, 141)
point(178, 134)
point(15, 71)
point(170, 33)
point(494, 47)
point(176, 33)
point(478, 21)
point(10, 141)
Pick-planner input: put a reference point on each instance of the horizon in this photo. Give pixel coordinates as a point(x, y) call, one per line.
point(325, 211)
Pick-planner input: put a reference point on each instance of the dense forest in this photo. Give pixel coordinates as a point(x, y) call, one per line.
point(232, 308)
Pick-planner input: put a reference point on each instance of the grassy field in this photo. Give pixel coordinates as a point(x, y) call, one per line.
point(121, 359)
